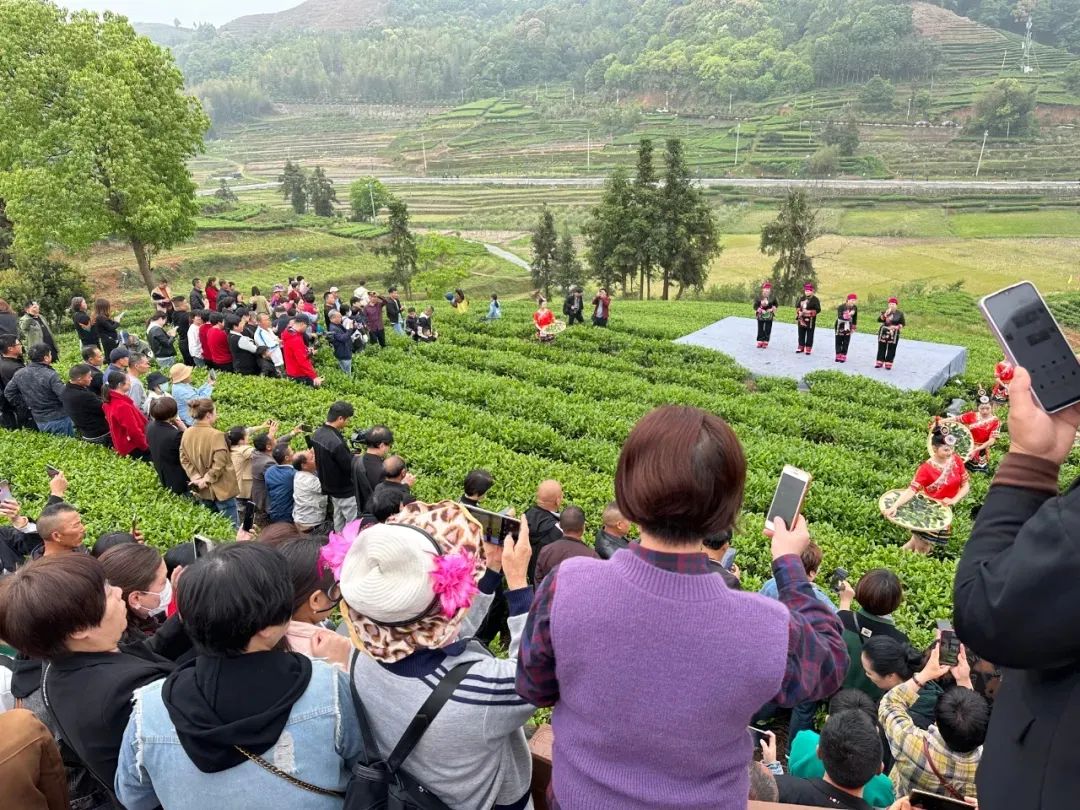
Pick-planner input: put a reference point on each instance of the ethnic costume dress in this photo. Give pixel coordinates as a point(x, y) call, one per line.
point(982, 431)
point(889, 337)
point(847, 318)
point(940, 484)
point(1003, 375)
point(765, 306)
point(806, 312)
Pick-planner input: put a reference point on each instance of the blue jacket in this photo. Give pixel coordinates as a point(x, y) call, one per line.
point(342, 342)
point(769, 589)
point(319, 745)
point(279, 491)
point(184, 393)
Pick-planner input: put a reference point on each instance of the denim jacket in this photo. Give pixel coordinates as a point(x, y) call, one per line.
point(154, 770)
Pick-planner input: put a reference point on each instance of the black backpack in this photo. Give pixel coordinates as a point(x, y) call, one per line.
point(380, 783)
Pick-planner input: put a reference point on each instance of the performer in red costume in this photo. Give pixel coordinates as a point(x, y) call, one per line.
point(847, 318)
point(985, 428)
point(806, 311)
point(765, 306)
point(892, 321)
point(1003, 374)
point(541, 318)
point(943, 478)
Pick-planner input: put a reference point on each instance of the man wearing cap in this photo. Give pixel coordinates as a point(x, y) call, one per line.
point(985, 428)
point(183, 391)
point(38, 388)
point(414, 591)
point(765, 306)
point(119, 360)
point(847, 318)
point(806, 312)
point(34, 329)
point(892, 321)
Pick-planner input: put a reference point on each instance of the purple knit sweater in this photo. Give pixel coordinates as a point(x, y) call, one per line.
point(659, 674)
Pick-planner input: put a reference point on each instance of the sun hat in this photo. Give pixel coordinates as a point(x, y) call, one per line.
point(408, 583)
point(179, 373)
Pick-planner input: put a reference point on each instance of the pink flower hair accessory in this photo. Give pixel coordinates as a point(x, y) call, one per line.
point(453, 581)
point(332, 555)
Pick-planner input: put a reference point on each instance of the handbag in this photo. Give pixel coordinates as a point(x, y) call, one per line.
point(380, 783)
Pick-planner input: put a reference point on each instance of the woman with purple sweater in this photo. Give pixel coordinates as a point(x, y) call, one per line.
point(653, 694)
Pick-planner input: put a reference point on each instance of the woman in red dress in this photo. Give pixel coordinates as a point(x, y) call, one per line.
point(541, 318)
point(943, 478)
point(1003, 375)
point(985, 428)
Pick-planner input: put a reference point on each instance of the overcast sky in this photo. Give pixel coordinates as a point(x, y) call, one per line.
point(217, 12)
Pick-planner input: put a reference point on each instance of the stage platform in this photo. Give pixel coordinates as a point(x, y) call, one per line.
point(920, 366)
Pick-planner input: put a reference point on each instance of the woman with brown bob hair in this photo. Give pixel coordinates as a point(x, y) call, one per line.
point(62, 609)
point(879, 593)
point(692, 659)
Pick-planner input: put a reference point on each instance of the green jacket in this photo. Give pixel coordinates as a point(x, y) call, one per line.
point(803, 762)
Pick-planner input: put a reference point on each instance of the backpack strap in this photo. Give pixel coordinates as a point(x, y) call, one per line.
point(427, 714)
point(945, 783)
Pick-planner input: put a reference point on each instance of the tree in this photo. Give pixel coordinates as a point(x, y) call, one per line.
point(224, 193)
point(687, 227)
point(97, 134)
point(825, 162)
point(294, 186)
point(320, 189)
point(53, 284)
point(368, 196)
point(402, 247)
point(642, 228)
point(921, 103)
point(788, 237)
point(845, 137)
point(1071, 78)
point(7, 237)
point(610, 256)
point(1007, 108)
point(877, 94)
point(568, 270)
point(545, 245)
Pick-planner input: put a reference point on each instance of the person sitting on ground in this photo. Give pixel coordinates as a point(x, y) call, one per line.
point(879, 593)
point(569, 545)
point(184, 392)
point(266, 337)
point(680, 476)
point(942, 759)
point(215, 725)
point(241, 347)
point(62, 609)
point(215, 344)
point(127, 424)
point(477, 484)
point(543, 520)
point(83, 406)
point(716, 547)
point(315, 595)
point(279, 484)
point(412, 328)
point(889, 663)
point(425, 326)
point(414, 634)
point(612, 536)
point(803, 755)
point(110, 541)
point(762, 783)
point(138, 367)
point(309, 503)
point(850, 750)
point(155, 390)
point(811, 559)
point(93, 357)
point(163, 435)
point(398, 478)
point(38, 388)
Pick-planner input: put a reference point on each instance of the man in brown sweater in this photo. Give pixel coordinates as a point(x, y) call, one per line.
point(569, 545)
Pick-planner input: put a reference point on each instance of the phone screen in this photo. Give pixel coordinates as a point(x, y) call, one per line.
point(949, 646)
point(729, 558)
point(787, 500)
point(496, 526)
point(51, 471)
point(202, 545)
point(1033, 340)
point(931, 801)
point(757, 735)
point(5, 491)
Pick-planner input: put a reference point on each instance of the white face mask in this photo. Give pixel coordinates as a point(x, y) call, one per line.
point(164, 598)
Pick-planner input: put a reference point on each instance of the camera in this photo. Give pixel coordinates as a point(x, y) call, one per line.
point(358, 440)
point(839, 575)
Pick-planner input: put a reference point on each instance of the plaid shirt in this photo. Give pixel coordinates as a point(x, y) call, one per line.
point(908, 742)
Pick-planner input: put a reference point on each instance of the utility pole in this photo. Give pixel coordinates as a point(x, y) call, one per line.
point(912, 98)
point(730, 98)
point(738, 133)
point(588, 150)
point(981, 151)
point(423, 146)
point(1003, 58)
point(371, 194)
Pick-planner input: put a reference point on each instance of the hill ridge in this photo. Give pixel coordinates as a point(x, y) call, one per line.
point(312, 15)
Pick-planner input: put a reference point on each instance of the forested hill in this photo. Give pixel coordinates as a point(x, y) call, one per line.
point(715, 50)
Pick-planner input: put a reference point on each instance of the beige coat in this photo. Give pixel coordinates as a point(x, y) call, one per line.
point(203, 451)
point(241, 461)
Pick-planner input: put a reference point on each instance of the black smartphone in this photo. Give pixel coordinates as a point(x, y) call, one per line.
point(305, 428)
point(931, 801)
point(838, 576)
point(5, 491)
point(1031, 337)
point(758, 736)
point(495, 524)
point(949, 644)
point(51, 471)
point(202, 545)
point(789, 496)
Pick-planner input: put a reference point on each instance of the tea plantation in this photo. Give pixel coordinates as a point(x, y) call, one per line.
point(487, 395)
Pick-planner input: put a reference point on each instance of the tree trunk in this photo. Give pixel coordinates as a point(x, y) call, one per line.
point(641, 286)
point(142, 256)
point(667, 285)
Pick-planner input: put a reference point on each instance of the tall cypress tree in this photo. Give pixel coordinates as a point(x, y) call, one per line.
point(545, 243)
point(294, 186)
point(402, 247)
point(687, 235)
point(321, 193)
point(788, 237)
point(643, 227)
point(609, 253)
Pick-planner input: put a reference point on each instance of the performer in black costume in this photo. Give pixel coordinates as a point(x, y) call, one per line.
point(806, 312)
point(765, 306)
point(847, 318)
point(892, 321)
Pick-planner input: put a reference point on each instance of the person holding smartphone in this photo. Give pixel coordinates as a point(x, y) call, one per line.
point(1025, 538)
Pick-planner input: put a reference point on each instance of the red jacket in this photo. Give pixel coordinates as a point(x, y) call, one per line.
point(126, 424)
point(211, 297)
point(297, 362)
point(216, 348)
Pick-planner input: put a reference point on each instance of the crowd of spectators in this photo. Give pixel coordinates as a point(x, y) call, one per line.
point(352, 637)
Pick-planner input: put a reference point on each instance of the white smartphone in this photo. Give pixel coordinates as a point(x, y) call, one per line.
point(788, 499)
point(1030, 336)
point(5, 491)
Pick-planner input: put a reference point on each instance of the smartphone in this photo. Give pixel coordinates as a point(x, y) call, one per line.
point(949, 645)
point(305, 428)
point(789, 496)
point(213, 375)
point(202, 545)
point(495, 524)
point(51, 471)
point(838, 576)
point(931, 801)
point(758, 736)
point(1031, 337)
point(5, 491)
point(728, 559)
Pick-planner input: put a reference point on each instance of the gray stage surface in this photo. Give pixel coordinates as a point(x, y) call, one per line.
point(919, 366)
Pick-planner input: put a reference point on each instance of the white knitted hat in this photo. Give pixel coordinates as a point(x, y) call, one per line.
point(387, 574)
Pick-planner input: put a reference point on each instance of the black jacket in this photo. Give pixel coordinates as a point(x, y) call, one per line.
point(90, 694)
point(572, 304)
point(607, 544)
point(84, 327)
point(243, 362)
point(406, 493)
point(9, 323)
point(164, 440)
point(84, 408)
point(368, 473)
point(393, 311)
point(196, 300)
point(160, 342)
point(13, 415)
point(15, 546)
point(182, 321)
point(38, 388)
point(1014, 606)
point(817, 793)
point(109, 332)
point(543, 530)
point(334, 462)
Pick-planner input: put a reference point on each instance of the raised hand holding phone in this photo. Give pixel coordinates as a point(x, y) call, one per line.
point(788, 541)
point(1033, 431)
point(788, 498)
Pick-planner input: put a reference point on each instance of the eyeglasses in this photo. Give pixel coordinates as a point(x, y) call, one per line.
point(334, 592)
